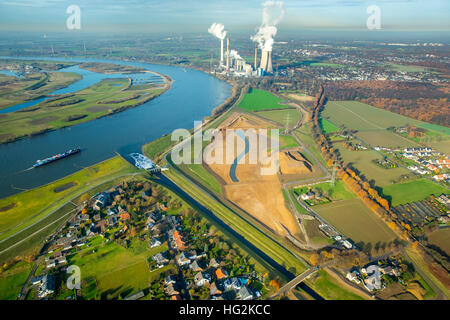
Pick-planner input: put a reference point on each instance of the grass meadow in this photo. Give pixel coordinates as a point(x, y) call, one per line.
point(356, 221)
point(257, 100)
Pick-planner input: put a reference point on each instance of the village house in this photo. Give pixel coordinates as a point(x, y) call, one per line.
point(202, 278)
point(213, 263)
point(183, 259)
point(195, 266)
point(47, 285)
point(170, 280)
point(171, 290)
point(214, 290)
point(353, 276)
point(111, 212)
point(112, 220)
point(160, 259)
point(308, 195)
point(373, 280)
point(221, 273)
point(155, 243)
point(244, 293)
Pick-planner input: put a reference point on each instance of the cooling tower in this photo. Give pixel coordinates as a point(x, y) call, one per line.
point(269, 63)
point(266, 61)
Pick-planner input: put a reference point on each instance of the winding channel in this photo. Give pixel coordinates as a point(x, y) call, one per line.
point(233, 167)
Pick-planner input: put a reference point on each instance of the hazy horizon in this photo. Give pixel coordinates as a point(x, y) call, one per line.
point(239, 16)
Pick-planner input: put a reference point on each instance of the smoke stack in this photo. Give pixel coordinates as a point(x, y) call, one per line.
point(228, 53)
point(221, 51)
point(256, 58)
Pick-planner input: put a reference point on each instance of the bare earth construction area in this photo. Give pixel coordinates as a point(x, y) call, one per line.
point(259, 195)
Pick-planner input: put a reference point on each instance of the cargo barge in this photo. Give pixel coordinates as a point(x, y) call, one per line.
point(60, 156)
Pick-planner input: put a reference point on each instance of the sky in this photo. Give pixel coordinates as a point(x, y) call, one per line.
point(197, 15)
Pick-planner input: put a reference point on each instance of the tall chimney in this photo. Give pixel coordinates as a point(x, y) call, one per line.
point(256, 58)
point(228, 53)
point(221, 52)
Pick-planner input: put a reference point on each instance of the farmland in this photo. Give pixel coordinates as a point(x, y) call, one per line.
point(257, 100)
point(363, 117)
point(363, 162)
point(441, 238)
point(356, 221)
point(287, 117)
point(411, 191)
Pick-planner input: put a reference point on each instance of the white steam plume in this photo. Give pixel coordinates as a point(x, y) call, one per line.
point(217, 30)
point(273, 12)
point(235, 55)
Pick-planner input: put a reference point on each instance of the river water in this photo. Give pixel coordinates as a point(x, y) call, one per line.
point(192, 97)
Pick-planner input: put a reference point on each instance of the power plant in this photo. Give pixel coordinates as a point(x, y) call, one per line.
point(266, 61)
point(232, 63)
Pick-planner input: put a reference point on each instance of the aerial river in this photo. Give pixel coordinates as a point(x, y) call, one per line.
point(192, 97)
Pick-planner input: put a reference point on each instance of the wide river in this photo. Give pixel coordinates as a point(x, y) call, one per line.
point(192, 97)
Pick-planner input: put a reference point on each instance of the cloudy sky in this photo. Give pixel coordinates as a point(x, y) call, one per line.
point(196, 15)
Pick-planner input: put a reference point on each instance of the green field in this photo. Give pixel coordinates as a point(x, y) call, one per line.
point(363, 117)
point(356, 221)
point(337, 192)
point(116, 270)
point(288, 142)
point(327, 126)
point(417, 190)
point(12, 280)
point(330, 288)
point(288, 117)
point(324, 64)
point(258, 100)
point(407, 68)
point(362, 161)
point(21, 210)
point(386, 139)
